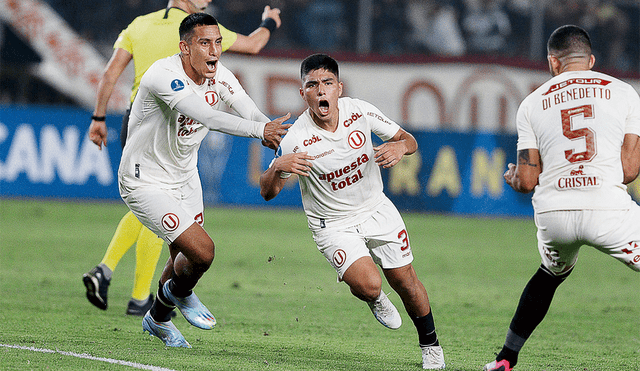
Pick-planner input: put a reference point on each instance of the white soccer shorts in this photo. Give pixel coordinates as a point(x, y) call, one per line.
point(166, 212)
point(613, 232)
point(383, 236)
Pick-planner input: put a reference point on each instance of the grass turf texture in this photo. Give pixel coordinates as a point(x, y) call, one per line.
point(279, 307)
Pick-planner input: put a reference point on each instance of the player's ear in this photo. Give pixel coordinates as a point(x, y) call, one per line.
point(340, 87)
point(554, 65)
point(592, 61)
point(184, 47)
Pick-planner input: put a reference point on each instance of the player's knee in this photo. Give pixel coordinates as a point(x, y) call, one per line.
point(367, 290)
point(207, 254)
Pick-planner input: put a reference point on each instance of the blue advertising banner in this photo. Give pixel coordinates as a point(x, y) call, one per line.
point(45, 152)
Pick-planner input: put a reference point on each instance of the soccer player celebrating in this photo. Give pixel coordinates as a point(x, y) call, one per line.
point(145, 40)
point(578, 144)
point(353, 223)
point(178, 102)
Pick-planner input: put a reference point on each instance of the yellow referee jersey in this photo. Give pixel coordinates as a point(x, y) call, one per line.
point(155, 36)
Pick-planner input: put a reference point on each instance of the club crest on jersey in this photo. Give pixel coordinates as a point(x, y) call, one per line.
point(177, 85)
point(339, 257)
point(170, 222)
point(211, 97)
point(356, 139)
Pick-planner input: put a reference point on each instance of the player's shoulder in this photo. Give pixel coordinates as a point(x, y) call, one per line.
point(163, 69)
point(171, 63)
point(302, 127)
point(302, 123)
point(352, 102)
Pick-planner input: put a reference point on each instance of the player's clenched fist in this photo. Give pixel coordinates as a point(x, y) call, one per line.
point(98, 133)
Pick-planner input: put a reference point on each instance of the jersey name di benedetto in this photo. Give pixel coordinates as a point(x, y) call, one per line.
point(577, 121)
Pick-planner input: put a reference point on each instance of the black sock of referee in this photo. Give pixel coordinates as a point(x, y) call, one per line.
point(162, 307)
point(426, 330)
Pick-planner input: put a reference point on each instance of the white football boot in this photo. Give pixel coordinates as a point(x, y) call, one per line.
point(385, 312)
point(432, 358)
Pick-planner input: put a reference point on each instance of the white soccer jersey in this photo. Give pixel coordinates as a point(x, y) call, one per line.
point(344, 185)
point(162, 143)
point(577, 121)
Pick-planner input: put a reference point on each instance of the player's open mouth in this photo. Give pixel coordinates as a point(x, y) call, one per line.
point(211, 65)
point(323, 107)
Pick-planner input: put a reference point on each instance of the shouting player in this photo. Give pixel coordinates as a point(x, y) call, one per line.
point(179, 101)
point(578, 145)
point(354, 224)
point(148, 38)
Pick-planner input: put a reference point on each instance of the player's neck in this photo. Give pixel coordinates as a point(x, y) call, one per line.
point(330, 125)
point(197, 78)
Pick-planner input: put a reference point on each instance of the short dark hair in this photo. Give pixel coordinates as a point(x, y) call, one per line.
point(194, 20)
point(567, 40)
point(316, 62)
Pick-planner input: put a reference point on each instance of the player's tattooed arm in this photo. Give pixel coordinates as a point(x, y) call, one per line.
point(523, 158)
point(524, 176)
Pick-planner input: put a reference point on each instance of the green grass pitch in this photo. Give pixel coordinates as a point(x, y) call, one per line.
point(278, 304)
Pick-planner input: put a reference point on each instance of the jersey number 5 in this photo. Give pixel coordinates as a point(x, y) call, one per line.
point(589, 136)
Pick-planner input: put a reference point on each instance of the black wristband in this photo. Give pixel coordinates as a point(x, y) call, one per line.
point(269, 24)
point(99, 118)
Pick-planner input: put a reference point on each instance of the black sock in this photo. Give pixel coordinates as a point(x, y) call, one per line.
point(533, 306)
point(162, 307)
point(181, 286)
point(508, 354)
point(426, 330)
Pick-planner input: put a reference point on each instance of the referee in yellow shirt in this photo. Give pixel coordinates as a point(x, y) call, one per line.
point(147, 39)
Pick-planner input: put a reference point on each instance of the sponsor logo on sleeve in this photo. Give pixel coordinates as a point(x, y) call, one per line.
point(177, 85)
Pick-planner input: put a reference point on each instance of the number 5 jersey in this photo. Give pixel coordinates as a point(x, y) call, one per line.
point(577, 121)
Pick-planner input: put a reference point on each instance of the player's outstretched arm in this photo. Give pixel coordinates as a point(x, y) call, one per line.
point(272, 181)
point(258, 39)
point(523, 177)
point(630, 157)
point(391, 152)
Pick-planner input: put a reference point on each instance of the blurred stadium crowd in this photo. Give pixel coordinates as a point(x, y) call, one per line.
point(514, 29)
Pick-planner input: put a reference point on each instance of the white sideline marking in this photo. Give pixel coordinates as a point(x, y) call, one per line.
point(88, 356)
